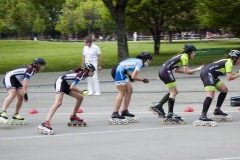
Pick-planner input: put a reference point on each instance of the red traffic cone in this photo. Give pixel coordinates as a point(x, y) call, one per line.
point(239, 108)
point(33, 111)
point(189, 109)
point(80, 111)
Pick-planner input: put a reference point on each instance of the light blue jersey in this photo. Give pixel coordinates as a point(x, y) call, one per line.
point(128, 65)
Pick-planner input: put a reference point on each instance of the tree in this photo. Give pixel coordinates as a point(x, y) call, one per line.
point(157, 16)
point(220, 14)
point(39, 26)
point(117, 10)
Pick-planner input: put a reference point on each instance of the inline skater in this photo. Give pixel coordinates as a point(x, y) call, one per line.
point(209, 76)
point(16, 83)
point(120, 73)
point(66, 84)
point(166, 75)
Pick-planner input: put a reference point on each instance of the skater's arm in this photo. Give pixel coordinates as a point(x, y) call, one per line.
point(230, 76)
point(25, 86)
point(74, 88)
point(136, 78)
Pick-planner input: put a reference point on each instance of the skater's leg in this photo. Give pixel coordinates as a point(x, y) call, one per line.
point(173, 92)
point(165, 99)
point(222, 95)
point(11, 95)
point(207, 102)
point(58, 103)
point(121, 93)
point(79, 99)
point(128, 94)
point(19, 100)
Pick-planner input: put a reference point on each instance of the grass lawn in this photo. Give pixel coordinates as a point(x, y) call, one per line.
point(62, 56)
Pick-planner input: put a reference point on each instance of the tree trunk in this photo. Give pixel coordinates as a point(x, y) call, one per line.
point(118, 13)
point(170, 36)
point(157, 38)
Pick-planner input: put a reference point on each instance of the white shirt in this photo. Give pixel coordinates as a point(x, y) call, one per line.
point(91, 53)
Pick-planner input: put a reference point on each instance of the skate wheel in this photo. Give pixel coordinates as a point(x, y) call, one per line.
point(130, 119)
point(202, 123)
point(50, 132)
point(196, 123)
point(229, 118)
point(125, 121)
point(109, 121)
point(10, 122)
point(217, 118)
point(24, 122)
point(114, 121)
point(84, 124)
point(69, 124)
point(154, 112)
point(213, 123)
point(164, 121)
point(182, 120)
point(211, 117)
point(135, 119)
point(19, 122)
point(150, 107)
point(119, 121)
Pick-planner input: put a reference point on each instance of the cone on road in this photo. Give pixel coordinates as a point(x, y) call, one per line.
point(33, 111)
point(189, 109)
point(239, 108)
point(80, 111)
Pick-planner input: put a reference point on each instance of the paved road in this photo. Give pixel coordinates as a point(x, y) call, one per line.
point(147, 139)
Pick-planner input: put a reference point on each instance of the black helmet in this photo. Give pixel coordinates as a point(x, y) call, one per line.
point(145, 55)
point(234, 53)
point(189, 48)
point(38, 61)
point(89, 66)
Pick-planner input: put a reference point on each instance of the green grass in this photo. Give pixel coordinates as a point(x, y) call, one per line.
point(62, 56)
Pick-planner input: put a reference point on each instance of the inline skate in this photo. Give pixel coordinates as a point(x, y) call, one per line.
point(172, 118)
point(117, 119)
point(204, 121)
point(45, 128)
point(220, 116)
point(3, 117)
point(130, 117)
point(76, 121)
point(17, 120)
point(157, 109)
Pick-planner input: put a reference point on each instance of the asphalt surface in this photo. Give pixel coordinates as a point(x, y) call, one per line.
point(147, 139)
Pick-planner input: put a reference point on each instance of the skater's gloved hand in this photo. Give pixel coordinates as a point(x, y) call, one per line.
point(25, 97)
point(238, 72)
point(145, 80)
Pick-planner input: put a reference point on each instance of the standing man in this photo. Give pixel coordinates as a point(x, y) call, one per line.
point(135, 36)
point(92, 54)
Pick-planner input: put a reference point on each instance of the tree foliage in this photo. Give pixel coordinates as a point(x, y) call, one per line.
point(220, 14)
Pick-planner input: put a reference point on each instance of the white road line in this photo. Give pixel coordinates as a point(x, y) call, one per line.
point(89, 133)
point(225, 158)
point(117, 131)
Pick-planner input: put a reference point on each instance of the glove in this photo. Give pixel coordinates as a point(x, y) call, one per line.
point(145, 80)
point(130, 78)
point(198, 69)
point(25, 96)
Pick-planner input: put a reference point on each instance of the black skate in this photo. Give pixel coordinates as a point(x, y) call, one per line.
point(204, 121)
point(172, 118)
point(45, 128)
point(130, 117)
point(157, 109)
point(220, 116)
point(3, 118)
point(117, 119)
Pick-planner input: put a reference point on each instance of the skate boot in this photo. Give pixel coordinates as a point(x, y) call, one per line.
point(157, 109)
point(76, 121)
point(204, 121)
point(17, 120)
point(172, 118)
point(220, 116)
point(3, 117)
point(130, 117)
point(45, 128)
point(117, 119)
